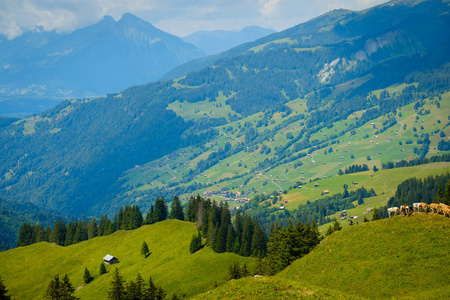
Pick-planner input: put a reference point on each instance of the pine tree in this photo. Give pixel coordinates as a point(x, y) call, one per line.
point(259, 241)
point(365, 220)
point(245, 271)
point(60, 289)
point(144, 249)
point(59, 233)
point(160, 213)
point(258, 266)
point(149, 218)
point(116, 290)
point(92, 229)
point(234, 271)
point(231, 236)
point(176, 210)
point(376, 214)
point(439, 194)
point(3, 291)
point(87, 276)
point(446, 199)
point(151, 290)
point(66, 289)
point(102, 268)
point(336, 225)
point(70, 233)
point(196, 243)
point(139, 288)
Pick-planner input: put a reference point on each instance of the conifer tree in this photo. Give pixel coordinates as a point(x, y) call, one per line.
point(59, 233)
point(116, 290)
point(144, 249)
point(439, 194)
point(196, 243)
point(70, 233)
point(52, 291)
point(87, 276)
point(446, 199)
point(139, 287)
point(3, 291)
point(245, 271)
point(160, 213)
point(102, 268)
point(150, 291)
point(149, 218)
point(176, 210)
point(234, 271)
point(376, 214)
point(231, 236)
point(60, 289)
point(66, 289)
point(92, 228)
point(365, 220)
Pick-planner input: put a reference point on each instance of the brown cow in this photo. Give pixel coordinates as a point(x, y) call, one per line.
point(404, 209)
point(434, 207)
point(442, 206)
point(446, 211)
point(423, 205)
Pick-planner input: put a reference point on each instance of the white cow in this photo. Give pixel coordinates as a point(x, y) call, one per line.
point(394, 210)
point(416, 206)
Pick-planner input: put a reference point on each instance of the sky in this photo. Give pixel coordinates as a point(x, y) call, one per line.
point(178, 17)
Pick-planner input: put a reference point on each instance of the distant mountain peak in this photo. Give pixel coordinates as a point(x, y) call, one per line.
point(108, 18)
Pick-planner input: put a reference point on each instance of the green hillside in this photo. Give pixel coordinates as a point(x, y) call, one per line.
point(345, 88)
point(401, 257)
point(26, 271)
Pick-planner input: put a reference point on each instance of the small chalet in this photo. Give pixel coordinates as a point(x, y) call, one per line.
point(109, 259)
point(316, 184)
point(325, 192)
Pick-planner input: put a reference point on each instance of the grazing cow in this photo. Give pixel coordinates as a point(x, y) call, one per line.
point(442, 206)
point(416, 206)
point(423, 205)
point(394, 210)
point(446, 211)
point(434, 207)
point(404, 209)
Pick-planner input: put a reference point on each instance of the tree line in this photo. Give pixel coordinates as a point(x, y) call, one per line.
point(244, 237)
point(430, 189)
point(127, 218)
point(417, 161)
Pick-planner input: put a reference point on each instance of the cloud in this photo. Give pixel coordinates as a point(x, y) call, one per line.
point(268, 7)
point(175, 16)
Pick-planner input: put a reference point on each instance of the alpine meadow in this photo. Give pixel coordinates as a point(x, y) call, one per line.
point(311, 163)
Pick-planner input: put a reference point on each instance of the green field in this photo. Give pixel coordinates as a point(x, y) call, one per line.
point(363, 145)
point(401, 257)
point(26, 271)
point(391, 258)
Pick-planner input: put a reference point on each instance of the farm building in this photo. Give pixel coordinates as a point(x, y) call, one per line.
point(326, 192)
point(316, 184)
point(109, 259)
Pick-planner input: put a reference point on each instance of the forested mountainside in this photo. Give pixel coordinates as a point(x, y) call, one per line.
point(102, 58)
point(261, 107)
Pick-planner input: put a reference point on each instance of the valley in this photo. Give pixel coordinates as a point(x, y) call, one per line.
point(281, 155)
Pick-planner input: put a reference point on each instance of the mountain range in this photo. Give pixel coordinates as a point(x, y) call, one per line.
point(106, 57)
point(255, 121)
point(216, 41)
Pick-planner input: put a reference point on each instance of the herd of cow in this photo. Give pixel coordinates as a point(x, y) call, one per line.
point(433, 207)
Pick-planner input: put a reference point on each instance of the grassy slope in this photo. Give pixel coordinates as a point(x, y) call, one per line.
point(381, 147)
point(270, 288)
point(401, 257)
point(397, 257)
point(26, 271)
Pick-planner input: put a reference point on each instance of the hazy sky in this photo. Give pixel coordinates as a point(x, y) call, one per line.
point(179, 17)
